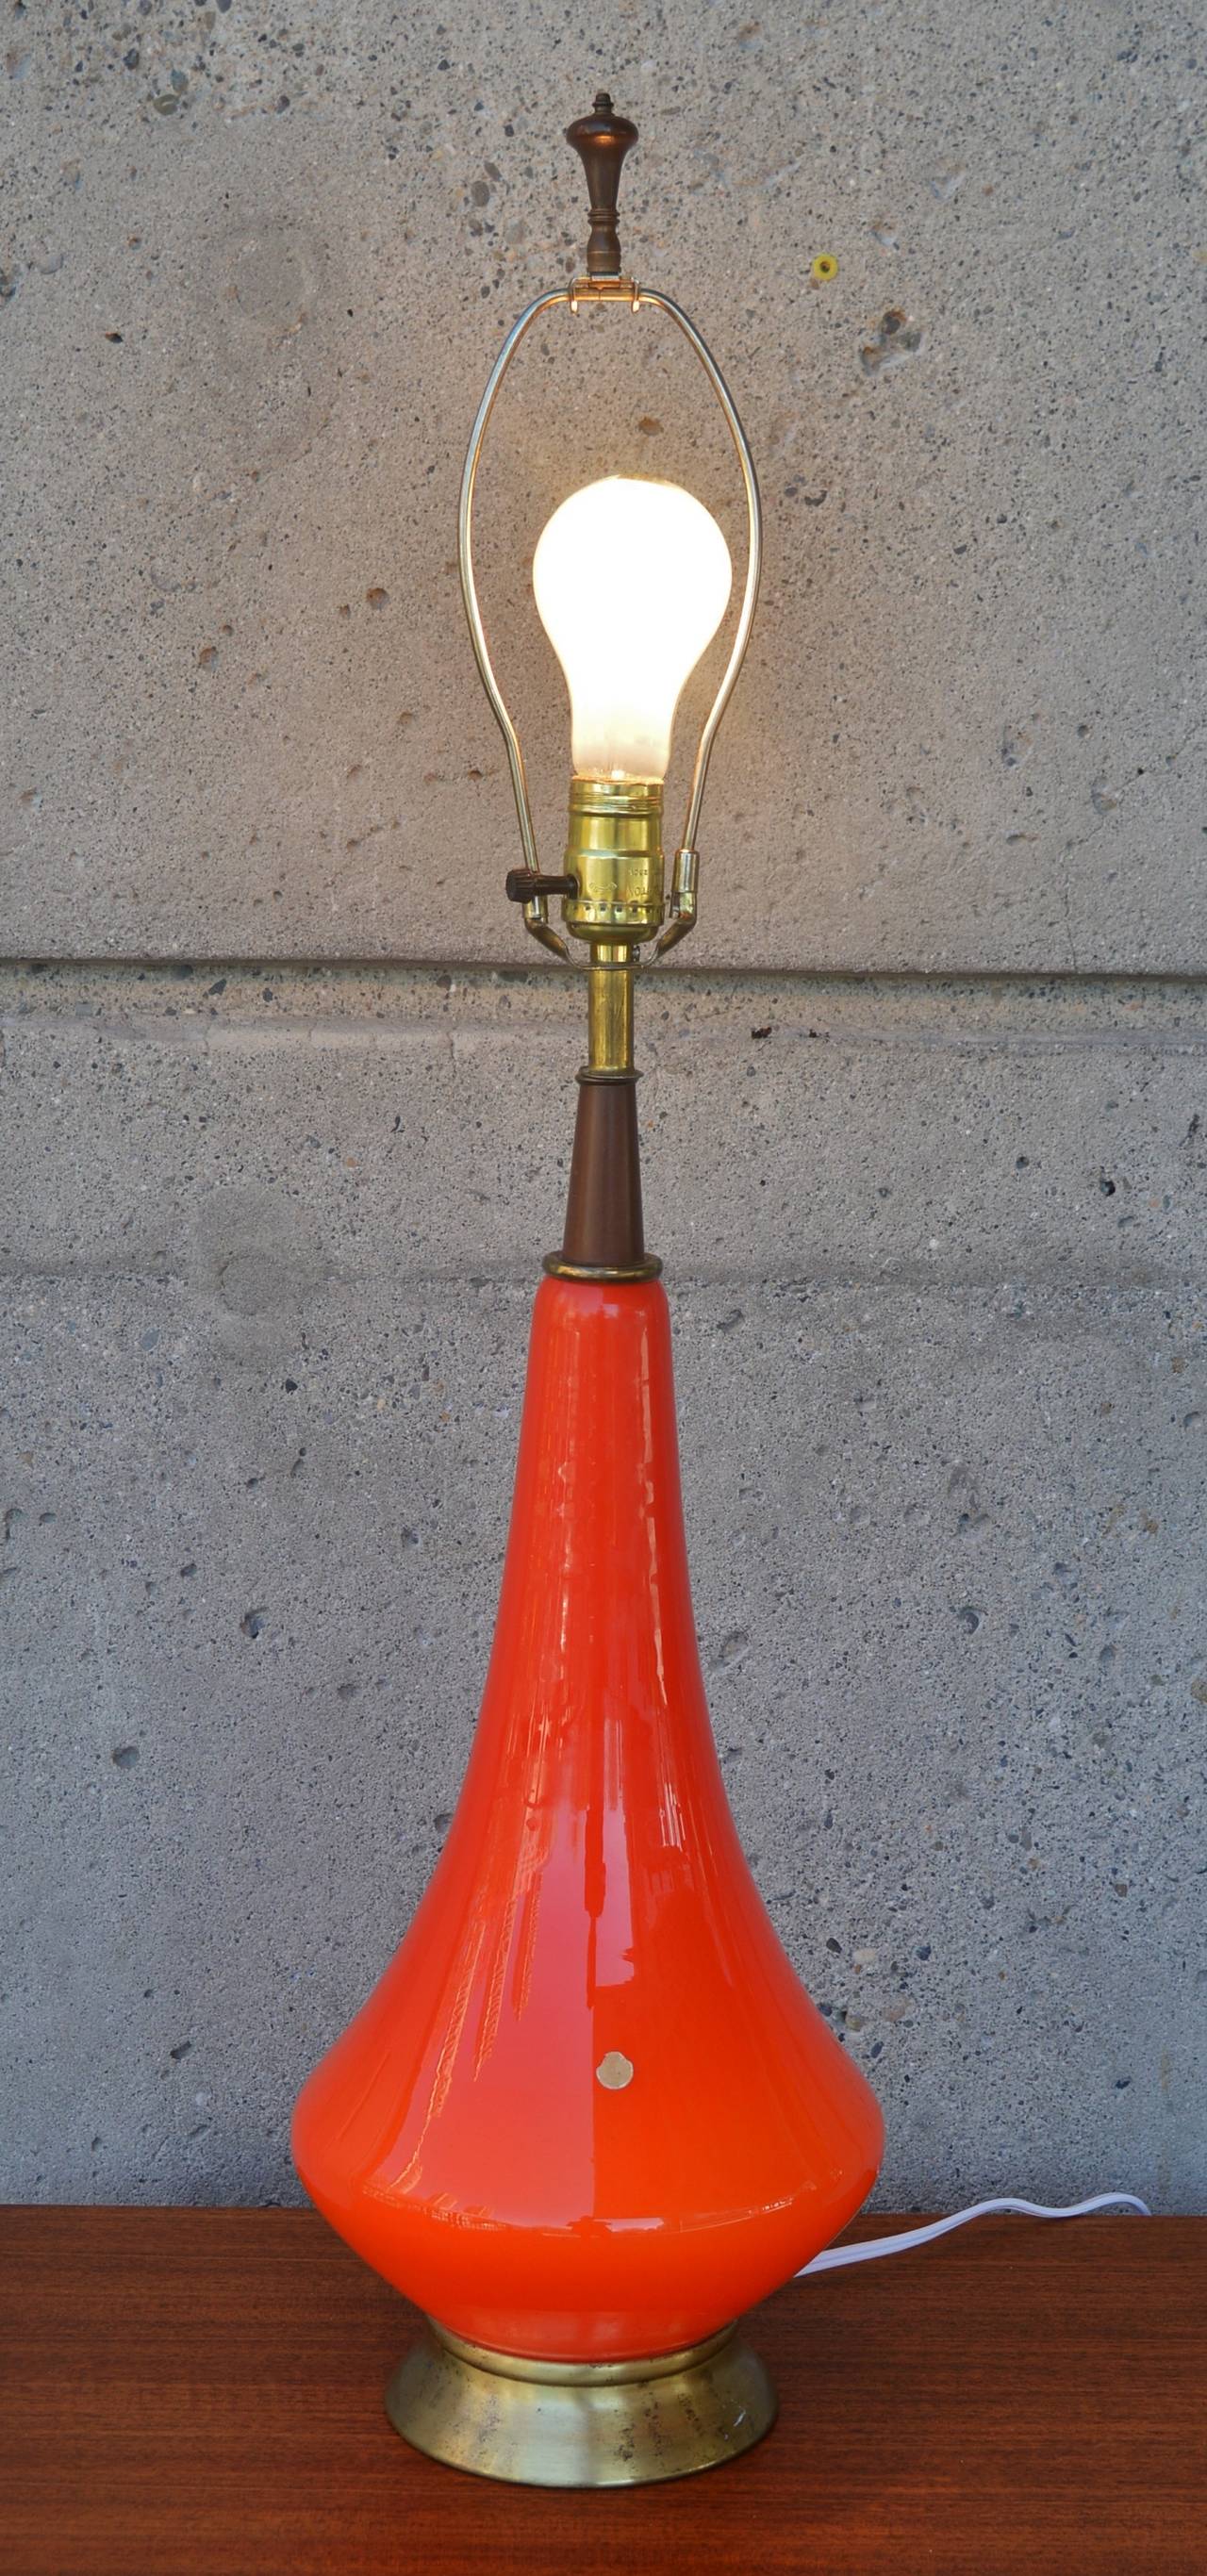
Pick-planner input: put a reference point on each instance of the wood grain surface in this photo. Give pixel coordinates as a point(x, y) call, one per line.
point(201, 2390)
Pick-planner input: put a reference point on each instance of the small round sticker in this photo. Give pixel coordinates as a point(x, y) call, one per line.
point(614, 2071)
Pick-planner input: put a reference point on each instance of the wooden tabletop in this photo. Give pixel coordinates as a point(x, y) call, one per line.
point(201, 2390)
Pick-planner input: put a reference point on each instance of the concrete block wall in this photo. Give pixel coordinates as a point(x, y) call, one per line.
point(286, 1102)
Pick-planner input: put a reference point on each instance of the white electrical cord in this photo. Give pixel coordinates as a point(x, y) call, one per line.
point(872, 2247)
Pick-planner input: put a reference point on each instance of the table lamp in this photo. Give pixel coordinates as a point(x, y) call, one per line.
point(589, 2115)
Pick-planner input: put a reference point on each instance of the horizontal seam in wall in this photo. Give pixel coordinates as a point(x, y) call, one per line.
point(222, 1035)
point(523, 971)
point(915, 1277)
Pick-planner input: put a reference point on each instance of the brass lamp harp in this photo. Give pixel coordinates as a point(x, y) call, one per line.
point(612, 892)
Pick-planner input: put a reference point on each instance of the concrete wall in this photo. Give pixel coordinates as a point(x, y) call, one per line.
point(287, 1101)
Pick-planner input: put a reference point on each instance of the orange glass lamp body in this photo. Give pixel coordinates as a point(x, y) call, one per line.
point(589, 2114)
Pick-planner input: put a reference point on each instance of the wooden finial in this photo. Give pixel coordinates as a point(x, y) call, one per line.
point(601, 141)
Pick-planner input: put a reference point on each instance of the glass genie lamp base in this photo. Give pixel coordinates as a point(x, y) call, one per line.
point(589, 2114)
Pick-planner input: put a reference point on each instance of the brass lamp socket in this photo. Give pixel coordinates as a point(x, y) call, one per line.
point(614, 853)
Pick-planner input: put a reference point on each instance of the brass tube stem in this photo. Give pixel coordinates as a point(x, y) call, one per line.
point(610, 1007)
point(603, 1238)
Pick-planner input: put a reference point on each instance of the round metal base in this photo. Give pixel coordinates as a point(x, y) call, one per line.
point(562, 2424)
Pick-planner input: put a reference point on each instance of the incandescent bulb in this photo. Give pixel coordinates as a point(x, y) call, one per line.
point(632, 581)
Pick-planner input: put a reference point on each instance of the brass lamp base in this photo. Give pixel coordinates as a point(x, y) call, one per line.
point(565, 2424)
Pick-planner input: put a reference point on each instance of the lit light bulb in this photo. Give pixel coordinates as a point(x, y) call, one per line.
point(632, 580)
